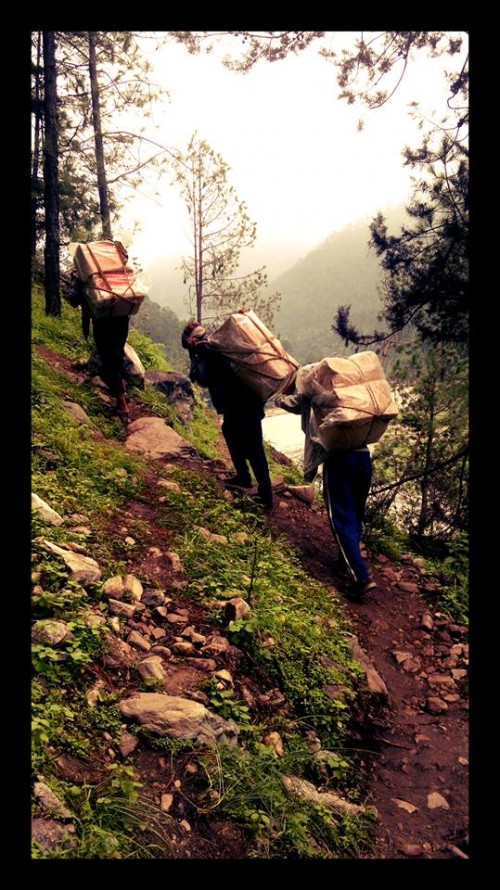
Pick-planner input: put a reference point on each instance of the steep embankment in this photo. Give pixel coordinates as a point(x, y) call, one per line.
point(179, 627)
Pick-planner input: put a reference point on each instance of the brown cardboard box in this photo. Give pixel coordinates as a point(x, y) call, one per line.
point(110, 286)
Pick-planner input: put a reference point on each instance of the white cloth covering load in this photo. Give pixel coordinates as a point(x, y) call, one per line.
point(257, 356)
point(352, 403)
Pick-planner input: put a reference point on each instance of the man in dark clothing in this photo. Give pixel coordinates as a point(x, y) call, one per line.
point(241, 408)
point(110, 336)
point(347, 477)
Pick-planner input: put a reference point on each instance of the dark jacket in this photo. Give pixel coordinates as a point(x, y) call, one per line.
point(76, 297)
point(229, 394)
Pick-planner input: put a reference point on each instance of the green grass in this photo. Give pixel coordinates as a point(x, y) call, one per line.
point(296, 639)
point(246, 785)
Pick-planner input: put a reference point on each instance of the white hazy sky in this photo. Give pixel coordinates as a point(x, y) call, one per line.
point(295, 155)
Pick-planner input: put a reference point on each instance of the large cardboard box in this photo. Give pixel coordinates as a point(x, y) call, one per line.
point(351, 400)
point(257, 356)
point(110, 285)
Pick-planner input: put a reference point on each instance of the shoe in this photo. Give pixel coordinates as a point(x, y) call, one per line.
point(238, 482)
point(265, 501)
point(357, 589)
point(340, 570)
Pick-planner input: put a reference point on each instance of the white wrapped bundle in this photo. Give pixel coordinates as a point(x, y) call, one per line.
point(256, 354)
point(352, 402)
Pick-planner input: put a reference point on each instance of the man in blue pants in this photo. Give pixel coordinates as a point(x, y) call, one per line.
point(347, 478)
point(347, 475)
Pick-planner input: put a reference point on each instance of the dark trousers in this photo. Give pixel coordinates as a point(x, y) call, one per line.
point(346, 482)
point(110, 336)
point(243, 435)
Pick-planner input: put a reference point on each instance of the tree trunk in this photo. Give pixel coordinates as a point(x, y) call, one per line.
point(198, 245)
point(426, 483)
point(36, 152)
point(102, 184)
point(51, 178)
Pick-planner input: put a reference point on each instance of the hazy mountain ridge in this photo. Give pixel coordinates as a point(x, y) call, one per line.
point(342, 270)
point(162, 325)
point(168, 288)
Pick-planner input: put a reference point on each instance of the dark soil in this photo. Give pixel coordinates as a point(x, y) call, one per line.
point(415, 749)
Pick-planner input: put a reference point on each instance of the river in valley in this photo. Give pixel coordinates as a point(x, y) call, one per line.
point(282, 430)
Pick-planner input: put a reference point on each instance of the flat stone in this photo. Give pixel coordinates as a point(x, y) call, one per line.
point(436, 801)
point(50, 515)
point(405, 805)
point(436, 705)
point(153, 437)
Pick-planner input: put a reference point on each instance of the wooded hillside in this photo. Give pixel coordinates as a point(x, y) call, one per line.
point(340, 271)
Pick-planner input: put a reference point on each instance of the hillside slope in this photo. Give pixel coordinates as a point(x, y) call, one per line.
point(365, 704)
point(341, 271)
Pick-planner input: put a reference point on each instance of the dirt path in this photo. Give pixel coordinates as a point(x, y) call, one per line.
point(418, 767)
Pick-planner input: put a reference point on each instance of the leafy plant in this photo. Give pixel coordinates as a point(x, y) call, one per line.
point(246, 784)
point(453, 574)
point(224, 702)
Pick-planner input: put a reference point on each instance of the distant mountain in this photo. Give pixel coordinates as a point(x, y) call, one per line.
point(162, 325)
point(341, 271)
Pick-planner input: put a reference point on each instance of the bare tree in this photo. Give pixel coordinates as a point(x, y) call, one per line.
point(220, 230)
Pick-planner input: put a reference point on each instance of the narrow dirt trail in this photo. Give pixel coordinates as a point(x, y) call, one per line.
point(418, 765)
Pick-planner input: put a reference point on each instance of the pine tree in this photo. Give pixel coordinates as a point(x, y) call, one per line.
point(421, 464)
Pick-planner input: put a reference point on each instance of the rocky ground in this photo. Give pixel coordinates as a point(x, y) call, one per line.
point(419, 763)
point(415, 753)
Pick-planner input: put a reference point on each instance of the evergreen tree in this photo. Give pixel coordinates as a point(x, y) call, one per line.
point(36, 154)
point(426, 266)
point(101, 77)
point(421, 464)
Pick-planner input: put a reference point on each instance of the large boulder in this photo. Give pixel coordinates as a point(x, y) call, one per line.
point(133, 369)
point(153, 437)
point(177, 717)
